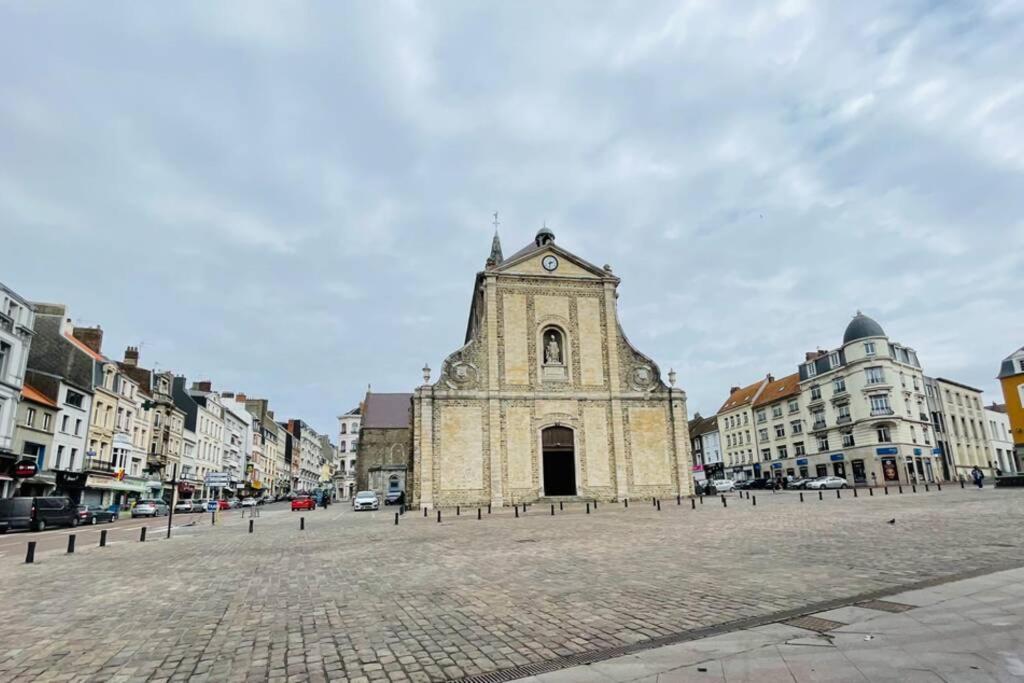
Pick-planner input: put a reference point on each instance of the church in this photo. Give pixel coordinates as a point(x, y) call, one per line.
point(547, 399)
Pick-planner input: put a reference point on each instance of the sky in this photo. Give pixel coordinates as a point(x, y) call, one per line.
point(292, 200)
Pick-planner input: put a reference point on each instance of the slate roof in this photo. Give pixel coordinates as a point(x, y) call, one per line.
point(862, 327)
point(81, 345)
point(779, 389)
point(703, 425)
point(387, 411)
point(1009, 366)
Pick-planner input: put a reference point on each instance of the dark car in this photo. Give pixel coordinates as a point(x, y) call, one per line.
point(761, 484)
point(394, 498)
point(744, 484)
point(94, 514)
point(37, 513)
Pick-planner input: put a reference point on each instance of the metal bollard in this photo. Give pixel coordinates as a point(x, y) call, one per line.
point(396, 519)
point(588, 508)
point(458, 510)
point(560, 505)
point(901, 488)
point(748, 495)
point(679, 500)
point(302, 523)
point(424, 510)
point(103, 538)
point(250, 526)
point(142, 535)
point(659, 506)
point(488, 508)
point(838, 496)
point(886, 489)
point(524, 508)
point(479, 514)
point(913, 488)
point(71, 544)
point(724, 504)
point(30, 554)
point(820, 497)
point(926, 488)
point(438, 515)
point(213, 518)
point(938, 485)
point(693, 503)
point(801, 496)
point(595, 506)
point(754, 499)
point(654, 501)
point(552, 509)
point(626, 502)
point(516, 508)
point(871, 493)
point(854, 491)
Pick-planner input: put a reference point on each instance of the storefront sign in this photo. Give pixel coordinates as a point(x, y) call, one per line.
point(889, 450)
point(936, 451)
point(889, 472)
point(836, 457)
point(698, 468)
point(917, 451)
point(801, 461)
point(776, 465)
point(70, 480)
point(25, 469)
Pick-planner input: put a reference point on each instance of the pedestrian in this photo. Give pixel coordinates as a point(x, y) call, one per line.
point(978, 477)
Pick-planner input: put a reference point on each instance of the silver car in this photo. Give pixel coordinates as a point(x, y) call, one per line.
point(828, 483)
point(150, 508)
point(366, 500)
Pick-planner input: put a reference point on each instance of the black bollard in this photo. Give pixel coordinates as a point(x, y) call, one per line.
point(524, 508)
point(302, 523)
point(479, 514)
point(871, 492)
point(626, 502)
point(654, 501)
point(801, 496)
point(30, 554)
point(588, 508)
point(560, 505)
point(595, 506)
point(458, 510)
point(854, 491)
point(438, 515)
point(837, 494)
point(679, 500)
point(659, 506)
point(886, 489)
point(820, 497)
point(142, 535)
point(396, 519)
point(702, 500)
point(516, 508)
point(213, 518)
point(724, 504)
point(552, 509)
point(938, 485)
point(424, 510)
point(913, 488)
point(103, 538)
point(754, 500)
point(926, 488)
point(71, 544)
point(901, 488)
point(693, 503)
point(250, 526)
point(748, 495)
point(488, 508)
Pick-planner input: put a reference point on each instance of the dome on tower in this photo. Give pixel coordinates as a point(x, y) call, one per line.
point(544, 236)
point(862, 327)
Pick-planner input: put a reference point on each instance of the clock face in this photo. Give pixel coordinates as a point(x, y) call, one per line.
point(550, 262)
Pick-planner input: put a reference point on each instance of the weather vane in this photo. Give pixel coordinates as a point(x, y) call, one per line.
point(495, 221)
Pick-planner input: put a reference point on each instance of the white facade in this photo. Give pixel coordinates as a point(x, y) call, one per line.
point(16, 322)
point(959, 420)
point(348, 450)
point(238, 438)
point(69, 440)
point(997, 425)
point(209, 439)
point(189, 463)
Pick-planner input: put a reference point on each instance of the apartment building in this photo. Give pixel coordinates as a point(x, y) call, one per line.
point(17, 318)
point(958, 418)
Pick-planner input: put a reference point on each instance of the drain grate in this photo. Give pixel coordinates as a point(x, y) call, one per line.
point(885, 606)
point(814, 624)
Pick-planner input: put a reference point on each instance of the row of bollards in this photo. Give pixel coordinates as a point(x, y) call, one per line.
point(30, 553)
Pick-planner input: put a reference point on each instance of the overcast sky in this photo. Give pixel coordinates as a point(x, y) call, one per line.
point(292, 200)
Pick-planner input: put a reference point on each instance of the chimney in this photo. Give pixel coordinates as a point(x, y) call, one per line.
point(771, 377)
point(241, 398)
point(733, 390)
point(90, 336)
point(227, 394)
point(813, 355)
point(270, 414)
point(131, 357)
point(203, 385)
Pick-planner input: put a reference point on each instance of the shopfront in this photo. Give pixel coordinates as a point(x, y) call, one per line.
point(838, 461)
point(801, 464)
point(887, 455)
point(107, 491)
point(71, 484)
point(860, 475)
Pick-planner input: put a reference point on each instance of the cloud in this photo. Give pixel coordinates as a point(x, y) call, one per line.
point(294, 201)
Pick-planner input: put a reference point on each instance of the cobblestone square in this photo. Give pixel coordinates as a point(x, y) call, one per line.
point(355, 598)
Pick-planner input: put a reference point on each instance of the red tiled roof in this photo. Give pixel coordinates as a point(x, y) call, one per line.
point(741, 397)
point(780, 389)
point(30, 393)
point(81, 345)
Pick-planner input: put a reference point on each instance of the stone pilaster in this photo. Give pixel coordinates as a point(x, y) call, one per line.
point(497, 494)
point(614, 382)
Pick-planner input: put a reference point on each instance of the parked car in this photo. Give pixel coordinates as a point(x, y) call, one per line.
point(799, 483)
point(235, 503)
point(394, 498)
point(303, 503)
point(94, 514)
point(741, 485)
point(37, 513)
point(249, 502)
point(366, 500)
point(765, 483)
point(183, 506)
point(150, 507)
point(829, 482)
point(223, 504)
point(722, 485)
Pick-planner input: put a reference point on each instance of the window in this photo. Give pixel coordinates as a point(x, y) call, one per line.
point(796, 427)
point(344, 428)
point(341, 446)
point(745, 420)
point(959, 399)
point(903, 380)
point(815, 393)
point(823, 443)
point(843, 411)
point(833, 360)
point(766, 454)
point(30, 417)
point(60, 457)
point(78, 427)
point(782, 453)
point(917, 384)
point(798, 449)
point(880, 405)
point(747, 435)
point(780, 431)
point(839, 385)
point(812, 369)
point(869, 348)
point(777, 410)
point(848, 438)
point(47, 419)
point(64, 423)
point(928, 390)
point(794, 405)
point(818, 417)
point(761, 416)
point(762, 434)
point(883, 435)
point(875, 375)
point(913, 434)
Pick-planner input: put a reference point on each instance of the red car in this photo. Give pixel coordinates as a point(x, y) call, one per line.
point(223, 505)
point(305, 503)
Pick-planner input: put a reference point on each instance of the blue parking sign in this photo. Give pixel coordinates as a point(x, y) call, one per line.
point(211, 505)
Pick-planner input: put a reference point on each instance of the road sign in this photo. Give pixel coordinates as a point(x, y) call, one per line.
point(217, 479)
point(212, 505)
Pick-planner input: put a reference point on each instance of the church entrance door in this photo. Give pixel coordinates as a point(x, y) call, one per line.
point(559, 462)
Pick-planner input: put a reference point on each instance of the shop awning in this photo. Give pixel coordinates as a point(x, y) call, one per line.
point(111, 484)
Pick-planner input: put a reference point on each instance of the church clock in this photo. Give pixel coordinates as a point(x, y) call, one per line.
point(550, 262)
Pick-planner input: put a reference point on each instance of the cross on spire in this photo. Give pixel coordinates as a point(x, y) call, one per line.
point(496, 256)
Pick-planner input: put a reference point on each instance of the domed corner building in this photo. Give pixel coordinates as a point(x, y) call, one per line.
point(547, 399)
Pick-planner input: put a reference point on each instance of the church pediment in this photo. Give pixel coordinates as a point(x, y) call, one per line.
point(553, 261)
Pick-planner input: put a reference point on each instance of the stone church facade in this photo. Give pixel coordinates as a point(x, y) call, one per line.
point(547, 398)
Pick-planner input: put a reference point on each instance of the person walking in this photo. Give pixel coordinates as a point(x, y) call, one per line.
point(978, 477)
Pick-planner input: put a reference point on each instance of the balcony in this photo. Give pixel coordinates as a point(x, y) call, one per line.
point(818, 426)
point(844, 419)
point(878, 412)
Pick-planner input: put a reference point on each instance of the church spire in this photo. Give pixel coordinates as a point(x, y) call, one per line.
point(496, 256)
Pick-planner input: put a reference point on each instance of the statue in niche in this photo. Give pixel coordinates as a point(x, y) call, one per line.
point(553, 352)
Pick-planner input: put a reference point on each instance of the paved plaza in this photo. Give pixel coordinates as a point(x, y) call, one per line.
point(354, 597)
